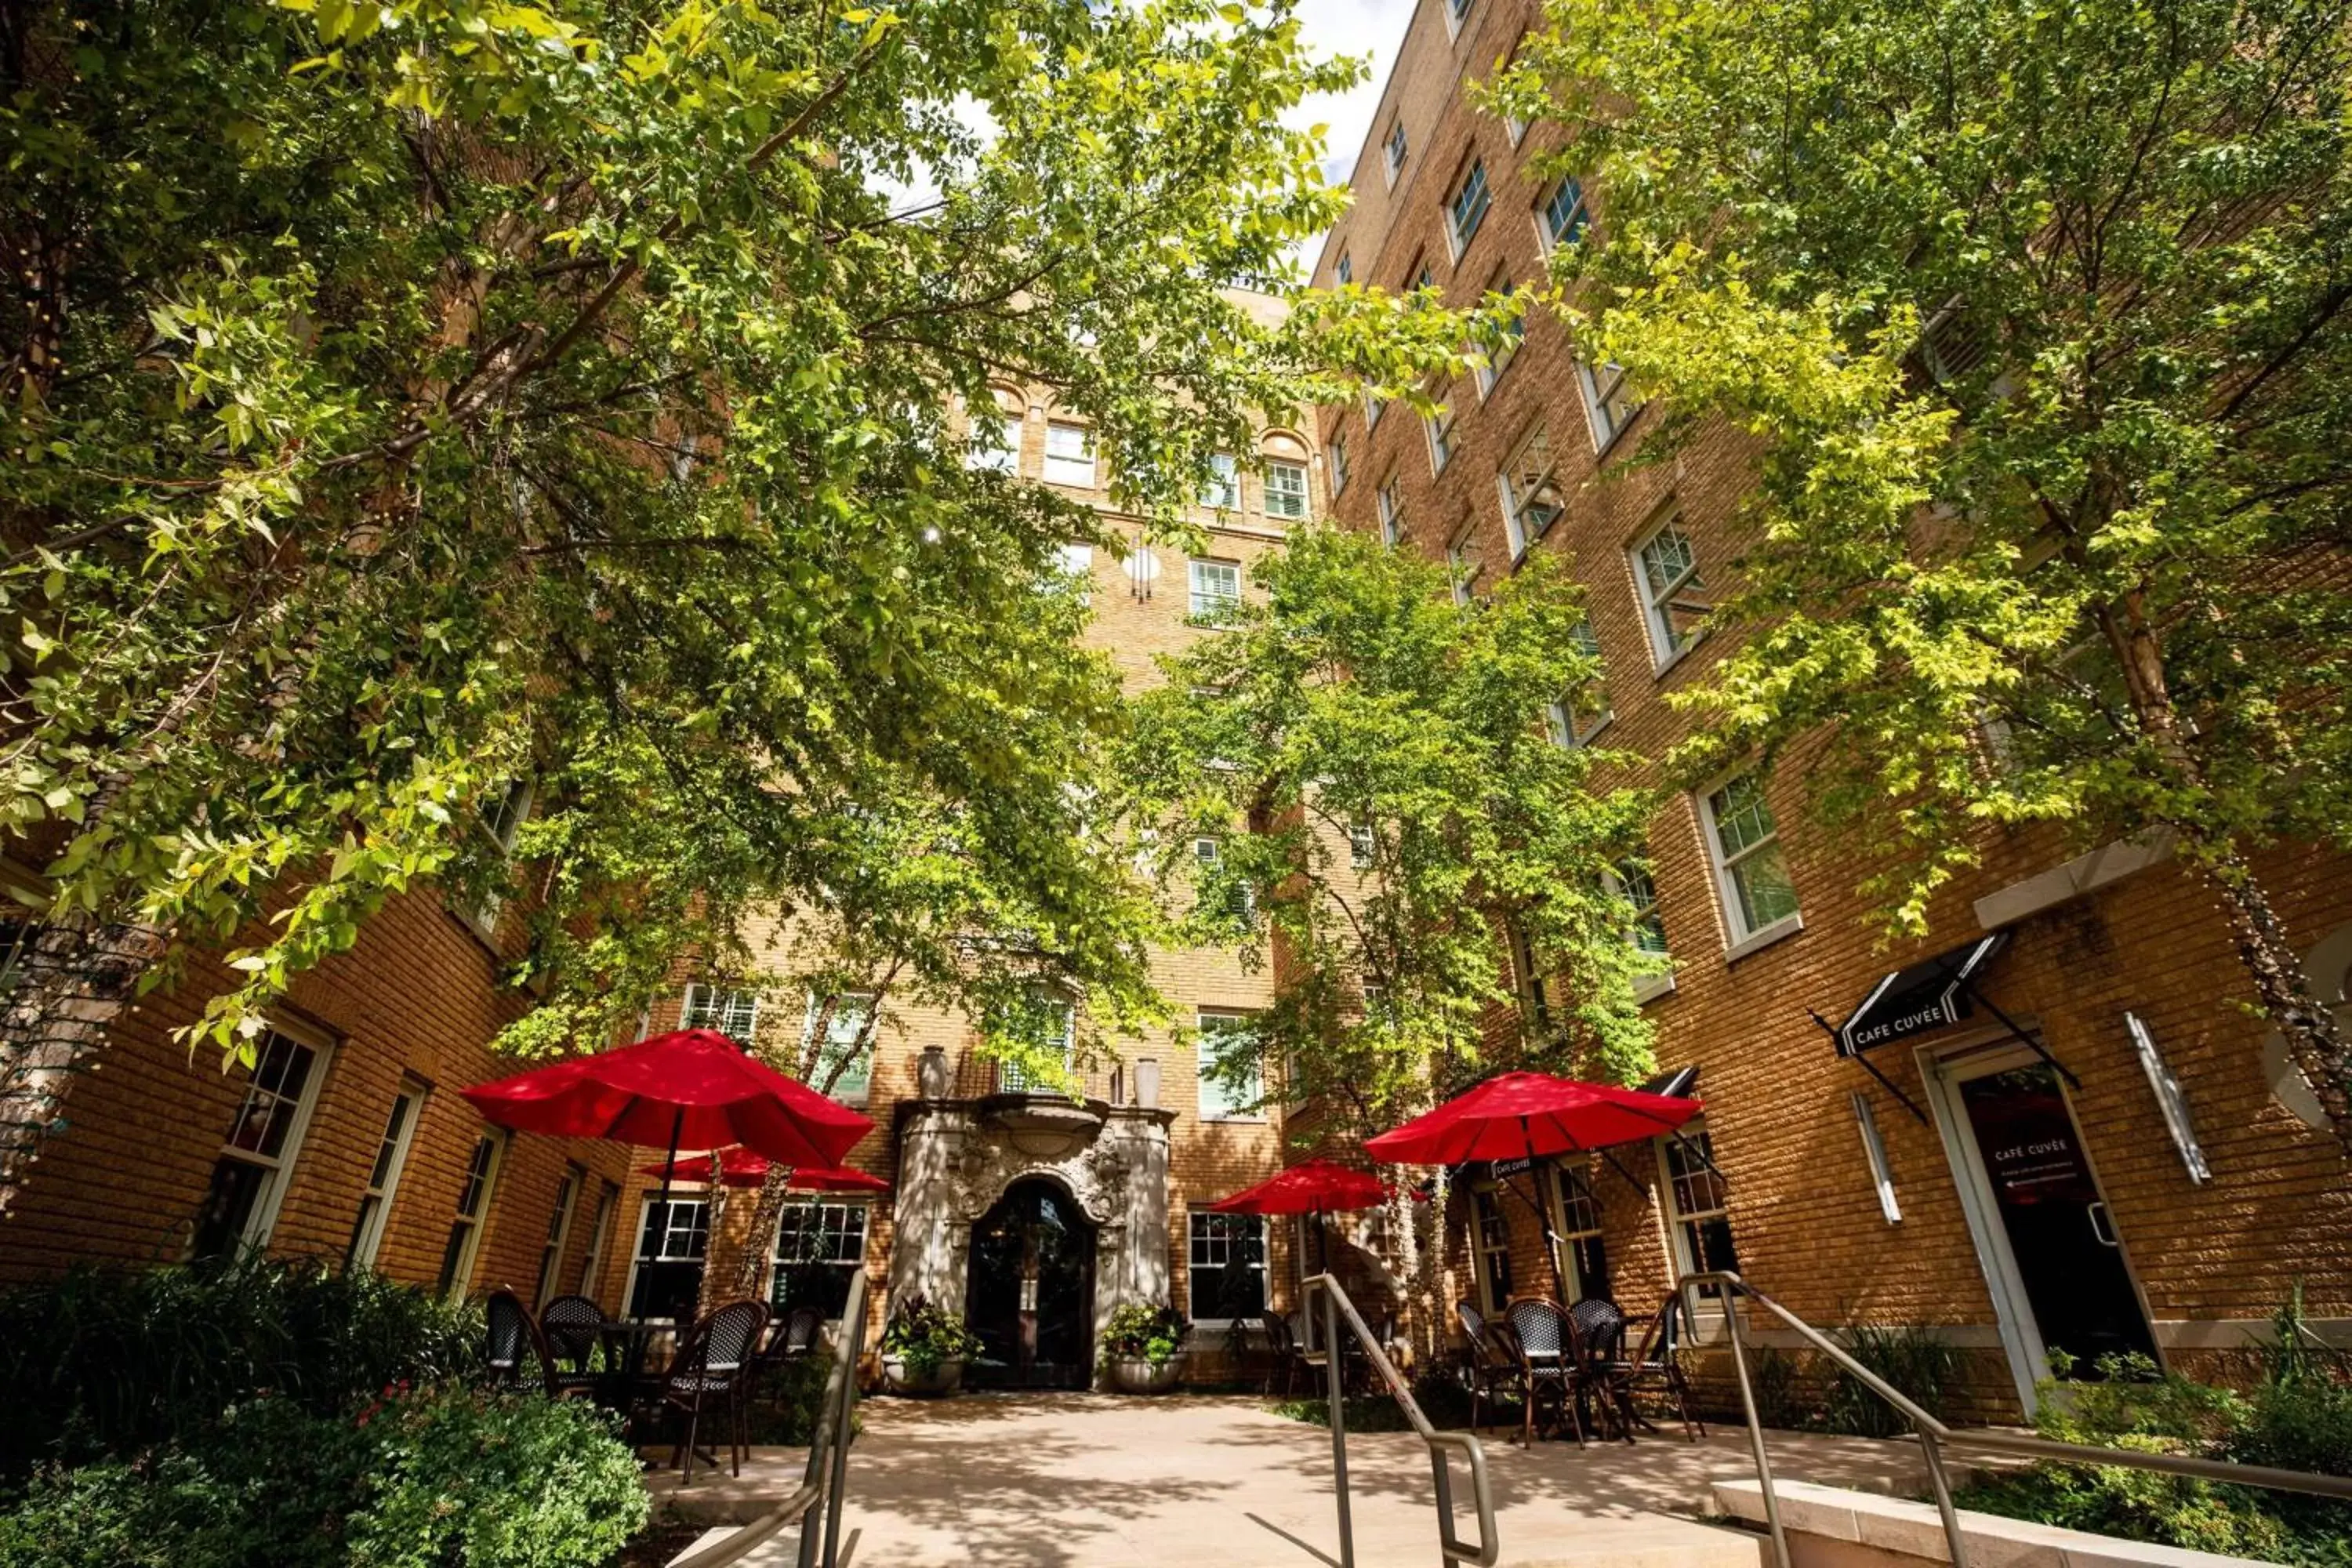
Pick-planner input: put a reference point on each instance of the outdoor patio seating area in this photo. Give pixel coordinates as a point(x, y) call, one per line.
point(1061, 1480)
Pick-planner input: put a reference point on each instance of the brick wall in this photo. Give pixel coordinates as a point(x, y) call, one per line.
point(1804, 1208)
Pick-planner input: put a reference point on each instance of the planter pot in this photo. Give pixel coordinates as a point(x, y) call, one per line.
point(933, 1383)
point(1140, 1376)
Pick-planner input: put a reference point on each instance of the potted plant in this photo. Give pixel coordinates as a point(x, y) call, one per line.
point(1143, 1347)
point(924, 1348)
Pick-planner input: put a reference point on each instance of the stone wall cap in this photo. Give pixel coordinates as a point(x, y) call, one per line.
point(1910, 1529)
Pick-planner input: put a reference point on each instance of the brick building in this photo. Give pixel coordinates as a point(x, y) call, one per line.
point(350, 1141)
point(2021, 1177)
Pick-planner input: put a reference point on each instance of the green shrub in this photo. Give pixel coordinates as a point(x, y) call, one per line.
point(789, 1402)
point(923, 1336)
point(1816, 1395)
point(442, 1477)
point(2298, 1421)
point(1139, 1332)
point(110, 1362)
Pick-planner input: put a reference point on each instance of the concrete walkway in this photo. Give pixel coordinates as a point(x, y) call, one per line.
point(1100, 1481)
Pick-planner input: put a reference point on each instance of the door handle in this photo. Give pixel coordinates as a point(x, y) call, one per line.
point(2103, 1225)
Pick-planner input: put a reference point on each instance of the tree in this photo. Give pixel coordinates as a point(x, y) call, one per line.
point(402, 401)
point(1369, 757)
point(2037, 315)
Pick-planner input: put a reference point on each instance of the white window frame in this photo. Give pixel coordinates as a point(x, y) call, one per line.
point(1374, 406)
point(1003, 455)
point(1336, 455)
point(1064, 467)
point(1746, 938)
point(1012, 1079)
point(1293, 500)
point(1217, 1020)
point(637, 1243)
point(1221, 490)
point(1577, 218)
point(1610, 409)
point(1395, 147)
point(1639, 888)
point(473, 1218)
point(1517, 507)
point(1563, 718)
point(841, 1092)
point(1363, 847)
point(384, 1173)
point(558, 1232)
point(277, 1170)
point(1344, 270)
point(1498, 360)
point(1574, 1219)
point(1666, 646)
point(822, 1211)
point(709, 1007)
point(1487, 1204)
point(1474, 178)
point(1392, 510)
point(1680, 1221)
point(1195, 1236)
point(501, 820)
point(1211, 606)
point(1458, 12)
point(1439, 427)
point(600, 1239)
point(1463, 567)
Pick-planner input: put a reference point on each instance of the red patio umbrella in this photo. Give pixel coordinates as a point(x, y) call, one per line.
point(692, 1088)
point(741, 1167)
point(1312, 1186)
point(1527, 1116)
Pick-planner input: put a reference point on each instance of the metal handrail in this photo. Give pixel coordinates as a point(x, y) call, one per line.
point(1336, 1309)
point(1934, 1435)
point(828, 1472)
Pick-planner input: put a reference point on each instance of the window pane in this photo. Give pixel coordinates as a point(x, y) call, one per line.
point(1470, 204)
point(1226, 1036)
point(1217, 588)
point(1666, 561)
point(1765, 893)
point(228, 1207)
point(1563, 212)
point(1069, 454)
point(1286, 490)
point(1742, 819)
point(1222, 488)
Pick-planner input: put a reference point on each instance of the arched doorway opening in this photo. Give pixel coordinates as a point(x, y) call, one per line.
point(1031, 1294)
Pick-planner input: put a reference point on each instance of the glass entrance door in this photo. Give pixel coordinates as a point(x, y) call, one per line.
point(1030, 1296)
point(2060, 1235)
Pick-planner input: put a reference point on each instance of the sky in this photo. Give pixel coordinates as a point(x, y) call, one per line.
point(1361, 27)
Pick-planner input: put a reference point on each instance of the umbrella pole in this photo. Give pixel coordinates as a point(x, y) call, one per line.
point(1543, 1220)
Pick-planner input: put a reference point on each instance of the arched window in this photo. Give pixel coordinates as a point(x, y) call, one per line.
point(996, 433)
point(1286, 477)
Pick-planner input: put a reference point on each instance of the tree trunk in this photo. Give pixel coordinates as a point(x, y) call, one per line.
point(72, 982)
point(764, 1215)
point(2314, 1039)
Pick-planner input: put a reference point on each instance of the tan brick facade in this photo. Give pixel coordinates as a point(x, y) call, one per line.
point(2205, 1258)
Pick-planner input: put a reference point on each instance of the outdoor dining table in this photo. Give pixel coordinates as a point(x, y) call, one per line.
point(627, 1343)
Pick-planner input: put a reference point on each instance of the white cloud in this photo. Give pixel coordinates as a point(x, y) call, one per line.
point(1360, 27)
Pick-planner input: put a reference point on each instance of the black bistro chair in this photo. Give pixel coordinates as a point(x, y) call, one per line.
point(572, 1327)
point(712, 1376)
point(1495, 1370)
point(1600, 1325)
point(1547, 1349)
point(1653, 1365)
point(515, 1356)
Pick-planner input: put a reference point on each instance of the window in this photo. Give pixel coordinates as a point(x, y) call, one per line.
point(1468, 209)
point(1501, 352)
point(1227, 1273)
point(1391, 512)
point(1673, 601)
point(1634, 885)
point(1345, 270)
point(1463, 566)
point(1374, 404)
point(996, 435)
point(1241, 903)
point(383, 1175)
point(1223, 489)
point(847, 1047)
point(1698, 1200)
point(1339, 451)
point(1530, 489)
point(1440, 426)
point(240, 1206)
point(1393, 149)
point(1078, 567)
point(1608, 403)
point(819, 1246)
point(1582, 711)
point(501, 815)
point(1490, 1243)
point(1045, 1025)
point(559, 1232)
point(1364, 849)
point(1227, 1037)
point(666, 1274)
point(1069, 454)
point(591, 1264)
point(1576, 1220)
point(1756, 891)
point(734, 1012)
point(1285, 490)
point(1456, 13)
point(474, 1196)
point(1562, 217)
point(1216, 591)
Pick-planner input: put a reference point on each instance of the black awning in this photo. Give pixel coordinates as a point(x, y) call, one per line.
point(1677, 1084)
point(1927, 996)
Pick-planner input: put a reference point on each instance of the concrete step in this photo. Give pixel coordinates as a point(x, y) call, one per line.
point(1650, 1541)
